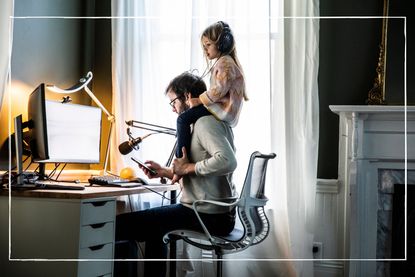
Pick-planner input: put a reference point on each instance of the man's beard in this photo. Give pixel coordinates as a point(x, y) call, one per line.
point(185, 107)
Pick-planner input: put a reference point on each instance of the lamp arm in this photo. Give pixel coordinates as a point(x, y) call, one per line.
point(95, 99)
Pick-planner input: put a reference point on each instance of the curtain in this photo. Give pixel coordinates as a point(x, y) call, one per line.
point(6, 10)
point(302, 126)
point(161, 39)
point(297, 97)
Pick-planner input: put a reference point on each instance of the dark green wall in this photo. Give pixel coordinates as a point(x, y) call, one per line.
point(47, 50)
point(60, 51)
point(349, 51)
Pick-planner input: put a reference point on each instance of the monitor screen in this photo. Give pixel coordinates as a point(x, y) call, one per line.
point(63, 132)
point(74, 132)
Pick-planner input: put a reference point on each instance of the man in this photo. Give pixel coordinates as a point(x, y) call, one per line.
point(208, 175)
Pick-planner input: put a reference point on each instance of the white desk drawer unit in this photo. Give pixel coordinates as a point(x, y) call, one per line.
point(97, 237)
point(57, 227)
point(96, 234)
point(96, 268)
point(98, 211)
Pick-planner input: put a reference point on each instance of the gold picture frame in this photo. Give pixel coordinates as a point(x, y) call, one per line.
point(377, 95)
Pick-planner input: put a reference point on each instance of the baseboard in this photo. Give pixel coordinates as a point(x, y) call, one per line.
point(327, 186)
point(329, 268)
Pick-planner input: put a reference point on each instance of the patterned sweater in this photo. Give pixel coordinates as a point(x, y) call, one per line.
point(225, 97)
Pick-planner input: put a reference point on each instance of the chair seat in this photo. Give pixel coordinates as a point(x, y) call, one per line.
point(231, 241)
point(236, 235)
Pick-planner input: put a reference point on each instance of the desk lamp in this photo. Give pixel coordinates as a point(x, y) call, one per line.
point(83, 84)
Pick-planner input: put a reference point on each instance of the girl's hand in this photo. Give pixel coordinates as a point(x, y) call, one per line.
point(193, 102)
point(179, 167)
point(176, 178)
point(182, 166)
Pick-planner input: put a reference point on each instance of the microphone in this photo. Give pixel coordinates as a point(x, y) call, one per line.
point(127, 146)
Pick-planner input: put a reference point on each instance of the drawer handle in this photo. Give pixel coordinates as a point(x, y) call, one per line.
point(99, 203)
point(97, 247)
point(98, 225)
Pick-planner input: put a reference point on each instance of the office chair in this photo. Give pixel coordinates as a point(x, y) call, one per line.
point(250, 208)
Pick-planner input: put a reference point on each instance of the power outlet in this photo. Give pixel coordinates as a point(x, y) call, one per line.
point(317, 250)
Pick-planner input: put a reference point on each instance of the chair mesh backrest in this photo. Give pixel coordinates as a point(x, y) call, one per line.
point(253, 217)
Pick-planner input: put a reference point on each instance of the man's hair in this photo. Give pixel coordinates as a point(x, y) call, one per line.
point(187, 82)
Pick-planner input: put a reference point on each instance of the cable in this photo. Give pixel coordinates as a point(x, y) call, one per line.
point(140, 249)
point(129, 202)
point(112, 174)
point(206, 72)
point(57, 177)
point(53, 171)
point(162, 199)
point(28, 165)
point(5, 180)
point(162, 195)
point(14, 167)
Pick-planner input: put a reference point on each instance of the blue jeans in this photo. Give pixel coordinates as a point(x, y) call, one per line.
point(152, 224)
point(184, 120)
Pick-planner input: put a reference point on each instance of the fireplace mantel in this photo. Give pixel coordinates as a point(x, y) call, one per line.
point(371, 139)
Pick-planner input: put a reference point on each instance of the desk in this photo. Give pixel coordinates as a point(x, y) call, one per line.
point(62, 225)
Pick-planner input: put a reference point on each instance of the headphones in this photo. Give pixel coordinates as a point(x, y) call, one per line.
point(225, 41)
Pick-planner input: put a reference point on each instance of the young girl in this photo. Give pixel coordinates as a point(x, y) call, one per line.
point(227, 86)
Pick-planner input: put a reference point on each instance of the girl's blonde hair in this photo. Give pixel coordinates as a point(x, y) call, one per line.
point(213, 33)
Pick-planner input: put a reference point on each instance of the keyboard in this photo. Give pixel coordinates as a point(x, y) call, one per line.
point(56, 185)
point(113, 181)
point(45, 184)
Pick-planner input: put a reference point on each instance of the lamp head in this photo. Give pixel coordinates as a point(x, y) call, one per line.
point(83, 82)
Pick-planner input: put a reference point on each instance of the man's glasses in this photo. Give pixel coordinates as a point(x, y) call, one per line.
point(172, 102)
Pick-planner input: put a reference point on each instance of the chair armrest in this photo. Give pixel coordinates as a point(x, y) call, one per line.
point(219, 203)
point(254, 202)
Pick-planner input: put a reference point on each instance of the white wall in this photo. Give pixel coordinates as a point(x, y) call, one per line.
point(329, 228)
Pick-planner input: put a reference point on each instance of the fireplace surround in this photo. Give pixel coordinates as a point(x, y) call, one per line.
point(392, 223)
point(372, 140)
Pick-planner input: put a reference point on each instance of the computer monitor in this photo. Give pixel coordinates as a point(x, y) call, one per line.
point(36, 109)
point(18, 138)
point(63, 132)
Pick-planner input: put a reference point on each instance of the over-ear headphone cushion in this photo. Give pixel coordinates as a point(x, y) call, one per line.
point(225, 42)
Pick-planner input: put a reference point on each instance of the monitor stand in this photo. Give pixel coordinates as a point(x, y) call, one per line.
point(22, 178)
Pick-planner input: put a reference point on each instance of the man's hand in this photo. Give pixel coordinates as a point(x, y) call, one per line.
point(155, 166)
point(181, 166)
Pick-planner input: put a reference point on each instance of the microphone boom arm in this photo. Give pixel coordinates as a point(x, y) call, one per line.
point(157, 129)
point(151, 127)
